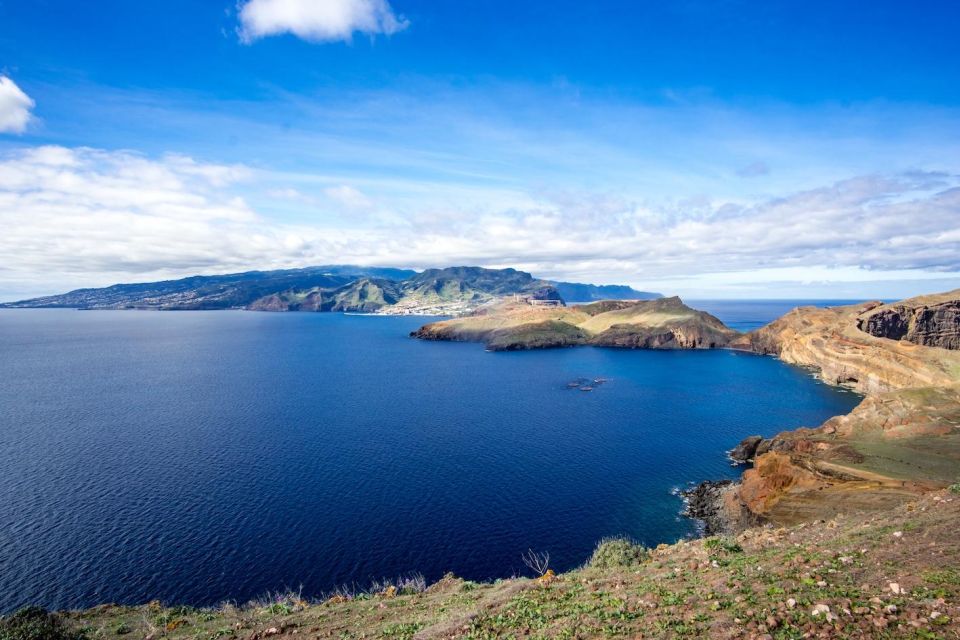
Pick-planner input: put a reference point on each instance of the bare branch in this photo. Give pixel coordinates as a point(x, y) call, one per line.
point(537, 561)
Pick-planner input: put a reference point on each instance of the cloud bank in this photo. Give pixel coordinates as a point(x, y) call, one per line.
point(86, 217)
point(15, 106)
point(318, 21)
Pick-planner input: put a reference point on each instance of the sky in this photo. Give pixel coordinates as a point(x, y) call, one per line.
point(711, 149)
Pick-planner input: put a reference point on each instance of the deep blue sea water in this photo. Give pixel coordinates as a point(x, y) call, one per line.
point(747, 315)
point(196, 457)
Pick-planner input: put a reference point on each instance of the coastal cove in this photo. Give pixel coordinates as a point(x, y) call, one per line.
point(196, 457)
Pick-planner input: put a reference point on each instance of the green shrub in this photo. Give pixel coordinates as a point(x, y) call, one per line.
point(944, 577)
point(722, 544)
point(613, 553)
point(36, 623)
point(402, 630)
point(955, 488)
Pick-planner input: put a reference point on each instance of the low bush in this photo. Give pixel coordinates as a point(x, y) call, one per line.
point(955, 488)
point(36, 623)
point(613, 553)
point(722, 544)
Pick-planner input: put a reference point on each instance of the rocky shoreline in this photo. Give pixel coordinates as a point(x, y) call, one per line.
point(705, 504)
point(880, 482)
point(716, 504)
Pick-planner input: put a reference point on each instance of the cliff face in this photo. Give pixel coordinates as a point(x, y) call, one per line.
point(892, 447)
point(936, 325)
point(903, 438)
point(832, 341)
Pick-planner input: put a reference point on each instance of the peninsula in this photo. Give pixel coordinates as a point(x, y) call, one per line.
point(521, 323)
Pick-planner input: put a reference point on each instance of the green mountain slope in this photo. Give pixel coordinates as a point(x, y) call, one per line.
point(451, 291)
point(230, 291)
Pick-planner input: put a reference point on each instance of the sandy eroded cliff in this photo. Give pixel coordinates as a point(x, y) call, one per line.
point(903, 439)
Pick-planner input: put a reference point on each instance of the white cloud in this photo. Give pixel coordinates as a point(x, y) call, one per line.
point(318, 20)
point(348, 196)
point(288, 193)
point(71, 214)
point(15, 106)
point(87, 217)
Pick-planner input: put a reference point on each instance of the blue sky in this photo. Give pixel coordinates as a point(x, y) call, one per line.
point(710, 149)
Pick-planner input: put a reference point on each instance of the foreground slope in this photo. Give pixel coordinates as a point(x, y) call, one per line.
point(891, 575)
point(665, 323)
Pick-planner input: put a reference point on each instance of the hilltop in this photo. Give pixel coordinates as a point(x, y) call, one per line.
point(449, 291)
point(665, 323)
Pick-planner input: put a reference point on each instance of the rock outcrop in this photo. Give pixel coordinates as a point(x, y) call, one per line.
point(745, 451)
point(934, 325)
point(718, 508)
point(691, 334)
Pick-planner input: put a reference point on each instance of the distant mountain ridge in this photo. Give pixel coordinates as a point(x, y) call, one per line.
point(335, 288)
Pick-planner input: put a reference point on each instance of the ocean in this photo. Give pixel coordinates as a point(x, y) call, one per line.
point(199, 457)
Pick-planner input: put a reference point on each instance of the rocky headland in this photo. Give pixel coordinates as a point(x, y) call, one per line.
point(902, 440)
point(510, 325)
